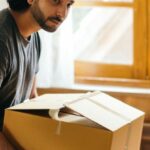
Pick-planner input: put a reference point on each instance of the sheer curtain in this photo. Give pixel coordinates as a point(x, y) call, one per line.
point(56, 62)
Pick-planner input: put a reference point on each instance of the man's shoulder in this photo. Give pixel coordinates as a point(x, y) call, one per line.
point(4, 17)
point(5, 33)
point(5, 25)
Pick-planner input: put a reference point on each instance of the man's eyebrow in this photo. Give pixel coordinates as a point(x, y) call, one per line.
point(72, 2)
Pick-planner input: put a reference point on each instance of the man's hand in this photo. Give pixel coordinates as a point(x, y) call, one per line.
point(4, 144)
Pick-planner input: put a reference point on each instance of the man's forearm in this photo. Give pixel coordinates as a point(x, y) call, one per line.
point(4, 144)
point(34, 93)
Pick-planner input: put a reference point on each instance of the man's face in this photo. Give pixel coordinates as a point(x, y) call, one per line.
point(49, 14)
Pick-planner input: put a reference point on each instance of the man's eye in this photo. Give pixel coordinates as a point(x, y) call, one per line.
point(56, 1)
point(70, 4)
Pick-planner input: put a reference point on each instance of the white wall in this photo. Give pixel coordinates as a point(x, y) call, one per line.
point(3, 4)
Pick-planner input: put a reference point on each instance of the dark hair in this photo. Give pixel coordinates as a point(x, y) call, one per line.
point(18, 5)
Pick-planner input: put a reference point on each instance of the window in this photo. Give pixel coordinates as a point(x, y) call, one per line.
point(111, 42)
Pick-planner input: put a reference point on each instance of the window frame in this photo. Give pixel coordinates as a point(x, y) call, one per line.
point(124, 75)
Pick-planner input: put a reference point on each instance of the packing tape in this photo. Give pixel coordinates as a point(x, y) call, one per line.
point(110, 110)
point(58, 129)
point(85, 96)
point(53, 113)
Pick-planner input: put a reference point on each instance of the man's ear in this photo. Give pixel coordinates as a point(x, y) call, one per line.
point(30, 2)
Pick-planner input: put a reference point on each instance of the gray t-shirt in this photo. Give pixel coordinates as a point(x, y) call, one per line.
point(18, 62)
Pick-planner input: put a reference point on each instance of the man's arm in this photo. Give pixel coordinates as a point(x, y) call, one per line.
point(34, 93)
point(4, 144)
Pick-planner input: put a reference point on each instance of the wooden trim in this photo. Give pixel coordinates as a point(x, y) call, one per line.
point(59, 90)
point(87, 72)
point(140, 39)
point(91, 69)
point(103, 4)
point(113, 82)
point(148, 43)
point(139, 68)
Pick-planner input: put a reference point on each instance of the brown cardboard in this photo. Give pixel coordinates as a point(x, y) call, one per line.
point(105, 123)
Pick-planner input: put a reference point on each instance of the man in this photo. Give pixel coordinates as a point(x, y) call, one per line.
point(20, 48)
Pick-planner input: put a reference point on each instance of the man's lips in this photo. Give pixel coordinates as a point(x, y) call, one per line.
point(57, 22)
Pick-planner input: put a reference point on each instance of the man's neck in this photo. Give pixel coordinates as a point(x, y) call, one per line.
point(25, 22)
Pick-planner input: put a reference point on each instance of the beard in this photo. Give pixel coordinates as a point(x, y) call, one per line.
point(40, 19)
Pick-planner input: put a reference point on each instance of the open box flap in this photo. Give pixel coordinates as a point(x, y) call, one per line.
point(119, 107)
point(105, 110)
point(97, 114)
point(47, 101)
point(96, 106)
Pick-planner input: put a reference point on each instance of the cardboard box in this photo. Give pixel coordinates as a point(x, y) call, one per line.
point(92, 121)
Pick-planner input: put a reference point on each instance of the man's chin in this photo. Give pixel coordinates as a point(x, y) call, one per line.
point(48, 29)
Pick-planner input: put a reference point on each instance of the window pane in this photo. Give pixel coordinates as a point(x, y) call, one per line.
point(103, 34)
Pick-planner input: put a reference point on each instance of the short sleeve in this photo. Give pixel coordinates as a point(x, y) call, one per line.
point(4, 62)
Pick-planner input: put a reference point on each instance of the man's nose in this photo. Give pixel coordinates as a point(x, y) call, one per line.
point(62, 12)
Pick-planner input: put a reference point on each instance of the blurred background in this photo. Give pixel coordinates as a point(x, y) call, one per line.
point(102, 45)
